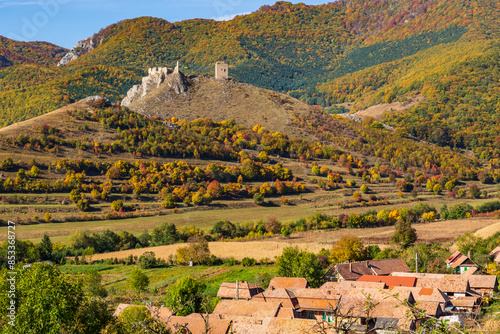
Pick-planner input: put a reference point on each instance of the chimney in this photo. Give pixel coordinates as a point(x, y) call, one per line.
point(350, 266)
point(468, 254)
point(237, 291)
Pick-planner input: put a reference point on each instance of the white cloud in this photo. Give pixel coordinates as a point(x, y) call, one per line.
point(5, 3)
point(228, 17)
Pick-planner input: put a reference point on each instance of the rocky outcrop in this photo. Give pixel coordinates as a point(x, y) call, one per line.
point(157, 76)
point(81, 48)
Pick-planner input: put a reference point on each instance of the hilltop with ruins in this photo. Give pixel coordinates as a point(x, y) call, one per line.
point(166, 93)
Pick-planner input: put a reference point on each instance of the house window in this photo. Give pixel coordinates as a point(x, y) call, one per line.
point(310, 315)
point(327, 317)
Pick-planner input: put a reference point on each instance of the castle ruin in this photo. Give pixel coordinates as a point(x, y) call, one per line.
point(221, 70)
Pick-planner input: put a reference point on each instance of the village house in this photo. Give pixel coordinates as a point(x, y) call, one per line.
point(485, 285)
point(496, 254)
point(354, 270)
point(279, 295)
point(238, 290)
point(460, 263)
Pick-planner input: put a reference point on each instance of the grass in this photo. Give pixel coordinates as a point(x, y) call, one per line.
point(115, 276)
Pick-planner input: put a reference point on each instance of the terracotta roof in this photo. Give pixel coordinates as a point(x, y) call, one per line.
point(162, 313)
point(316, 299)
point(289, 283)
point(458, 259)
point(278, 326)
point(470, 271)
point(196, 324)
point(443, 282)
point(390, 281)
point(451, 283)
point(496, 254)
point(247, 308)
point(286, 312)
point(424, 294)
point(245, 290)
point(283, 296)
point(467, 302)
point(352, 271)
point(382, 308)
point(430, 308)
point(483, 281)
point(348, 285)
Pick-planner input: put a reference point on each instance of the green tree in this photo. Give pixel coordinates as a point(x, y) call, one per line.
point(147, 260)
point(348, 248)
point(300, 263)
point(48, 302)
point(93, 285)
point(404, 234)
point(186, 296)
point(34, 171)
point(45, 248)
point(258, 198)
point(138, 280)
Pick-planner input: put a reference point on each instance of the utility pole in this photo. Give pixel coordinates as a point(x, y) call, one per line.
point(416, 263)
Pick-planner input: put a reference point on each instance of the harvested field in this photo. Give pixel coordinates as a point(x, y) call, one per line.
point(315, 241)
point(488, 231)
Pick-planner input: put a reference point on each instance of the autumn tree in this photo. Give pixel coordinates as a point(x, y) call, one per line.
point(404, 234)
point(348, 248)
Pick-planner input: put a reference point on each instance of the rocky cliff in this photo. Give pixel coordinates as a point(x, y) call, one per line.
point(81, 48)
point(173, 80)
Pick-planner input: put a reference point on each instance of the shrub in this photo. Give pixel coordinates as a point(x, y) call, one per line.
point(147, 260)
point(248, 262)
point(258, 198)
point(116, 205)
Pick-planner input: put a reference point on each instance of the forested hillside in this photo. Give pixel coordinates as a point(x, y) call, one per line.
point(360, 51)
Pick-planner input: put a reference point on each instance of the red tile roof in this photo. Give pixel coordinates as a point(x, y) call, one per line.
point(352, 271)
point(247, 308)
point(195, 323)
point(457, 259)
point(283, 296)
point(289, 283)
point(245, 290)
point(390, 281)
point(483, 281)
point(496, 254)
point(347, 285)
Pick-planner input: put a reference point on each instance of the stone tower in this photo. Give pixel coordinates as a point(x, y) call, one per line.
point(221, 70)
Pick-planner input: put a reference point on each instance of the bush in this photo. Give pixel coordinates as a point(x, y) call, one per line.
point(488, 207)
point(459, 211)
point(116, 205)
point(474, 190)
point(248, 262)
point(148, 260)
point(258, 198)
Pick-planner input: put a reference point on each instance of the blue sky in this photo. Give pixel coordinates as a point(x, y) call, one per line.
point(65, 22)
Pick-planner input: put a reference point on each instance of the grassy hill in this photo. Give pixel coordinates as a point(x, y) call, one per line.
point(363, 52)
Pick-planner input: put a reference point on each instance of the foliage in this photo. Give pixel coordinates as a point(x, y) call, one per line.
point(197, 252)
point(50, 302)
point(148, 260)
point(299, 263)
point(404, 234)
point(348, 248)
point(138, 280)
point(185, 296)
